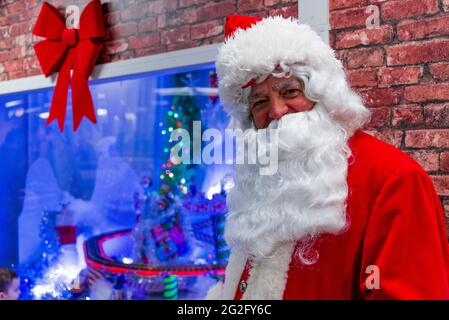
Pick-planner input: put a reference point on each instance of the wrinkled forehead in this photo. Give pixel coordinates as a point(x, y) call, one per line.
point(274, 83)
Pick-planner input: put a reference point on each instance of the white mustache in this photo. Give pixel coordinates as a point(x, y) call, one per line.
point(286, 134)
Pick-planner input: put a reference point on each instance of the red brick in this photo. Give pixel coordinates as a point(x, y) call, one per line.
point(365, 37)
point(212, 11)
point(379, 97)
point(427, 92)
point(19, 28)
point(162, 6)
point(133, 12)
point(189, 3)
point(175, 35)
point(162, 21)
point(347, 18)
point(249, 5)
point(270, 3)
point(148, 24)
point(32, 3)
point(380, 118)
point(437, 115)
point(426, 158)
point(362, 58)
point(116, 46)
point(112, 18)
point(17, 52)
point(16, 7)
point(149, 51)
point(212, 40)
point(446, 214)
point(7, 43)
point(393, 137)
point(28, 16)
point(30, 63)
point(444, 162)
point(34, 11)
point(447, 222)
point(437, 138)
point(28, 51)
point(206, 29)
point(332, 36)
point(33, 72)
point(17, 74)
point(123, 30)
point(362, 77)
point(13, 65)
point(4, 55)
point(441, 184)
point(389, 76)
point(12, 19)
point(286, 12)
point(25, 39)
point(423, 28)
point(144, 41)
point(393, 10)
point(407, 116)
point(440, 71)
point(342, 4)
point(418, 52)
point(181, 45)
point(4, 32)
point(185, 16)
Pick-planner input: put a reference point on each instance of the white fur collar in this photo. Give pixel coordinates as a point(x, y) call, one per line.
point(267, 278)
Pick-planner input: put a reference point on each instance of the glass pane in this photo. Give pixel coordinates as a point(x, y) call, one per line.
point(99, 168)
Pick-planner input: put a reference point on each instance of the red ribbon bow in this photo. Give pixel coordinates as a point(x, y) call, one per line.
point(66, 49)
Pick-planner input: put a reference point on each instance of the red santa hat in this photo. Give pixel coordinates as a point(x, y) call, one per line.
point(252, 50)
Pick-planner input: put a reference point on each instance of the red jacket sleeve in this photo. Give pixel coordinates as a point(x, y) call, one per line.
point(406, 240)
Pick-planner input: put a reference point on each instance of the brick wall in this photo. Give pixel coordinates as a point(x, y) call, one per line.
point(135, 27)
point(401, 69)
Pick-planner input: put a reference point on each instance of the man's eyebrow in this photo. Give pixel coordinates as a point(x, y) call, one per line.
point(286, 83)
point(277, 86)
point(256, 95)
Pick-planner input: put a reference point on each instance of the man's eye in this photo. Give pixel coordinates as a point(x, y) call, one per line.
point(258, 104)
point(291, 92)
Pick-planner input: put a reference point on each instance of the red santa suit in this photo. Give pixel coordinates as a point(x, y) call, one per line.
point(395, 245)
point(396, 224)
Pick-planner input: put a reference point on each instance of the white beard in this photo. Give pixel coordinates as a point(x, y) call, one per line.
point(306, 196)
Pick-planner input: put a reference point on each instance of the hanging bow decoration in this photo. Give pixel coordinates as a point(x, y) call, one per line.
point(66, 49)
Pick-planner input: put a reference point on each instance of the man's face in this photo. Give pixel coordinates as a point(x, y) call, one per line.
point(276, 97)
point(12, 292)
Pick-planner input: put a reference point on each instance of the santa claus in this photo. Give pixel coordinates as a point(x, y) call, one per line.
point(346, 216)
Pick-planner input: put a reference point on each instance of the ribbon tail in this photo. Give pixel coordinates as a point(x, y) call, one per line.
point(86, 55)
point(83, 105)
point(59, 102)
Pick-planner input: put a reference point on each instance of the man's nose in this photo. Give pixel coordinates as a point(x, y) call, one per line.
point(278, 108)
